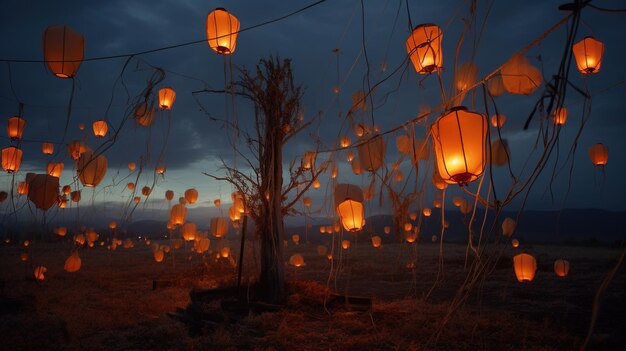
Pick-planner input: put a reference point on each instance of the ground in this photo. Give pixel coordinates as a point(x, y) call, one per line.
point(110, 303)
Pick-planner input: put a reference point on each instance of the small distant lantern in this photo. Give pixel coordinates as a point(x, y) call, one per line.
point(100, 128)
point(588, 53)
point(559, 116)
point(55, 168)
point(427, 212)
point(11, 159)
point(344, 141)
point(146, 190)
point(424, 48)
point(160, 169)
point(515, 243)
point(178, 214)
point(345, 244)
point(221, 31)
point(191, 195)
point(22, 188)
point(459, 142)
point(376, 241)
point(561, 268)
point(599, 154)
point(15, 127)
point(47, 148)
point(525, 267)
point(169, 195)
point(167, 96)
point(498, 120)
point(63, 50)
point(308, 160)
point(316, 184)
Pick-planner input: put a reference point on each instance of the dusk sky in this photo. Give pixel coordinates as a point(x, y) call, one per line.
point(196, 144)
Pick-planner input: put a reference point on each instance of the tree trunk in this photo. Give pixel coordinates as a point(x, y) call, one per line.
point(272, 280)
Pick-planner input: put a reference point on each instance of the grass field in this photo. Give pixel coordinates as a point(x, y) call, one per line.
point(110, 303)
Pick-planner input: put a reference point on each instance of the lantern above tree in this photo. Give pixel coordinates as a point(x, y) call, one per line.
point(63, 50)
point(588, 53)
point(15, 127)
point(459, 142)
point(221, 31)
point(424, 48)
point(167, 96)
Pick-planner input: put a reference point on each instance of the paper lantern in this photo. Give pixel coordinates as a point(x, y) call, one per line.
point(169, 195)
point(100, 128)
point(130, 186)
point(15, 127)
point(307, 201)
point(55, 168)
point(160, 169)
point(334, 170)
point(349, 206)
point(376, 241)
point(345, 244)
point(344, 141)
point(465, 76)
point(137, 199)
point(75, 196)
point(191, 195)
point(40, 272)
point(427, 212)
point(43, 190)
point(308, 160)
point(66, 189)
point(316, 184)
point(296, 260)
point(372, 153)
point(72, 263)
point(225, 252)
point(47, 148)
point(515, 243)
point(496, 85)
point(146, 190)
point(178, 214)
point(22, 188)
point(520, 77)
point(91, 168)
point(219, 226)
point(356, 167)
point(500, 152)
point(167, 96)
point(588, 53)
point(296, 238)
point(561, 268)
point(189, 231)
point(498, 120)
point(459, 142)
point(525, 267)
point(424, 48)
point(508, 226)
point(221, 31)
point(63, 50)
point(62, 202)
point(599, 154)
point(131, 166)
point(76, 148)
point(144, 114)
point(112, 225)
point(11, 159)
point(158, 255)
point(559, 116)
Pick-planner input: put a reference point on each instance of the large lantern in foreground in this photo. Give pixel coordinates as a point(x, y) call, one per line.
point(588, 53)
point(459, 142)
point(221, 31)
point(63, 50)
point(349, 206)
point(525, 267)
point(599, 154)
point(15, 127)
point(167, 96)
point(11, 159)
point(424, 48)
point(91, 168)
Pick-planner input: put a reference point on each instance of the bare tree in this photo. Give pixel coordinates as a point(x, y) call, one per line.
point(267, 196)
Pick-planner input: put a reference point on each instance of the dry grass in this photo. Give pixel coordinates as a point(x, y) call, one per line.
point(110, 305)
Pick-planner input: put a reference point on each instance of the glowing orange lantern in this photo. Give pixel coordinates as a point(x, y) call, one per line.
point(169, 195)
point(427, 212)
point(91, 168)
point(55, 168)
point(75, 195)
point(559, 116)
point(160, 169)
point(100, 128)
point(67, 189)
point(63, 50)
point(599, 154)
point(424, 48)
point(22, 188)
point(221, 31)
point(191, 195)
point(167, 96)
point(344, 141)
point(11, 159)
point(349, 206)
point(498, 120)
point(376, 241)
point(459, 142)
point(345, 244)
point(47, 148)
point(15, 127)
point(372, 153)
point(525, 267)
point(76, 148)
point(561, 268)
point(588, 53)
point(144, 115)
point(178, 214)
point(146, 190)
point(219, 226)
point(308, 160)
